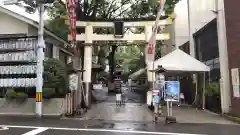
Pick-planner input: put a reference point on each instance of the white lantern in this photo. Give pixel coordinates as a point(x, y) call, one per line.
point(14, 82)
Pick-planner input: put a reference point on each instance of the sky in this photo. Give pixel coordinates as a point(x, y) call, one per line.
point(21, 11)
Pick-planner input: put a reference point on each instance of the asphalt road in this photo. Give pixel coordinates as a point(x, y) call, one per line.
point(32, 126)
point(46, 126)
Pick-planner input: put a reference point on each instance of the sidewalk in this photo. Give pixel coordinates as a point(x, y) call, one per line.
point(193, 115)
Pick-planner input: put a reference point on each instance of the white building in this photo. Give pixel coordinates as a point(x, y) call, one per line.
point(209, 41)
point(200, 15)
point(12, 24)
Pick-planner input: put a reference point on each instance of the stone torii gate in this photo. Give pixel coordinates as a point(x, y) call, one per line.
point(88, 37)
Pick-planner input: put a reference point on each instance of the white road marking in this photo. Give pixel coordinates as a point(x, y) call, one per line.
point(41, 129)
point(3, 128)
point(36, 131)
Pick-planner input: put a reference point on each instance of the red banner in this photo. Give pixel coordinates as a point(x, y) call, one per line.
point(150, 51)
point(72, 19)
point(162, 2)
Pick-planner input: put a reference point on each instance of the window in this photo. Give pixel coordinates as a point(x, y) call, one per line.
point(185, 48)
point(207, 49)
point(63, 57)
point(48, 51)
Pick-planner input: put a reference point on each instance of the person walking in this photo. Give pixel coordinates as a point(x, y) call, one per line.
point(117, 85)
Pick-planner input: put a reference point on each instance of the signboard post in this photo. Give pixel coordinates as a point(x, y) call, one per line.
point(73, 82)
point(172, 91)
point(171, 94)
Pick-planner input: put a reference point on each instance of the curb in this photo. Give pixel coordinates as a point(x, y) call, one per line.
point(231, 118)
point(225, 116)
point(27, 115)
point(213, 113)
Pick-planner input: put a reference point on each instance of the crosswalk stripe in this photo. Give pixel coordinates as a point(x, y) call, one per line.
point(96, 130)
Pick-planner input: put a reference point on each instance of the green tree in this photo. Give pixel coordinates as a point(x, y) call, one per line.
point(55, 75)
point(149, 8)
point(57, 13)
point(92, 11)
point(132, 57)
point(100, 9)
point(158, 50)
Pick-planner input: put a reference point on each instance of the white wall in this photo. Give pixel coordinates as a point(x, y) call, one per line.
point(200, 15)
point(55, 52)
point(10, 25)
point(32, 31)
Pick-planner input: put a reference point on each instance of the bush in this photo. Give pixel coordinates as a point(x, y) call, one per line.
point(48, 93)
point(55, 75)
point(10, 94)
point(213, 101)
point(213, 89)
point(21, 97)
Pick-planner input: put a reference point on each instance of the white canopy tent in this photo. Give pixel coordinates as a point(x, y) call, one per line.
point(137, 73)
point(180, 61)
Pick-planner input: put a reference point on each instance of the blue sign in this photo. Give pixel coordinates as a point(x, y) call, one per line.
point(155, 100)
point(172, 91)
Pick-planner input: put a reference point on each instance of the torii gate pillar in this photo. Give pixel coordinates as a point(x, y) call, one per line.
point(87, 66)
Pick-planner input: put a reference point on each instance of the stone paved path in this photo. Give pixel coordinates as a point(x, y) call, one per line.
point(129, 112)
point(136, 110)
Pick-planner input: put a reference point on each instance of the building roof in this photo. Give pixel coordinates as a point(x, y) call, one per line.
point(34, 23)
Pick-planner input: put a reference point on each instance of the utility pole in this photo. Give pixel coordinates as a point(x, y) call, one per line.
point(223, 57)
point(40, 58)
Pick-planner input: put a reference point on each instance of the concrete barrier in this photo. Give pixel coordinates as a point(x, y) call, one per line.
point(51, 107)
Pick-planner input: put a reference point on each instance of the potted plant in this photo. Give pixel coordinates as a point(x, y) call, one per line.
point(48, 93)
point(21, 97)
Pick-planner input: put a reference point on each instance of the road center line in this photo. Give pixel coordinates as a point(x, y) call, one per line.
point(36, 131)
point(41, 129)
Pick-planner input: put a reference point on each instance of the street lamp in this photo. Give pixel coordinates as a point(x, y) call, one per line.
point(31, 7)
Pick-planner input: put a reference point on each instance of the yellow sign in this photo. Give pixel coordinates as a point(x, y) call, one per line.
point(38, 96)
